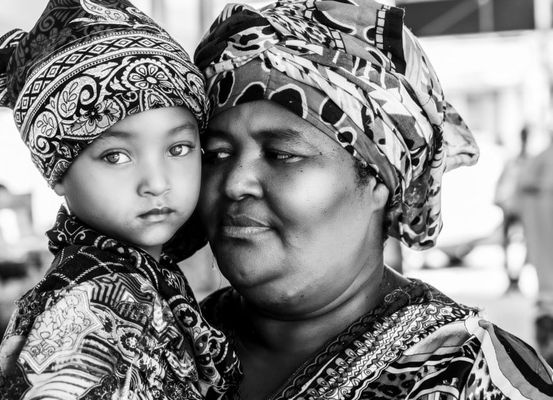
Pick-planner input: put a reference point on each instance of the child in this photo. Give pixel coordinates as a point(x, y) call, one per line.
point(110, 108)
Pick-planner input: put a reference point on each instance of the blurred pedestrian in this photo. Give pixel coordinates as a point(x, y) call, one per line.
point(9, 228)
point(536, 201)
point(507, 198)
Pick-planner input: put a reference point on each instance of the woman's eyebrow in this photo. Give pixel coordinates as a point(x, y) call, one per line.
point(214, 134)
point(286, 134)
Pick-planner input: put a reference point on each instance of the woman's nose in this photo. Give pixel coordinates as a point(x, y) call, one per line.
point(154, 180)
point(243, 180)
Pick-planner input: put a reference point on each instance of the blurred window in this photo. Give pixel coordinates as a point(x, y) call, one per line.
point(15, 217)
point(450, 17)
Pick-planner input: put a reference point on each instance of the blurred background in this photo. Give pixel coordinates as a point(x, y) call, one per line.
point(495, 61)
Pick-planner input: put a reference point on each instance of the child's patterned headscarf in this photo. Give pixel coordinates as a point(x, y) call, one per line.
point(354, 71)
point(83, 67)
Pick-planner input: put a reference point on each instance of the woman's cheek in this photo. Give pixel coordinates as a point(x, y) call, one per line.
point(309, 194)
point(209, 193)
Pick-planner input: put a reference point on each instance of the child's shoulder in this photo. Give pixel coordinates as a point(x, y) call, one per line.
point(101, 276)
point(84, 281)
point(76, 264)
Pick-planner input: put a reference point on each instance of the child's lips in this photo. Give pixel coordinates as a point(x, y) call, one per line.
point(157, 214)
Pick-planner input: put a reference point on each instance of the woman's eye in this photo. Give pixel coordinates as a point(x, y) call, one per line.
point(179, 150)
point(116, 157)
point(281, 156)
point(216, 155)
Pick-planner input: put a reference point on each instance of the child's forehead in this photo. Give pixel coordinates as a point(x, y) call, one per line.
point(165, 118)
point(124, 133)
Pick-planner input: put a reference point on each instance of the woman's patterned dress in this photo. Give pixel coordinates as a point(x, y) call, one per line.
point(418, 344)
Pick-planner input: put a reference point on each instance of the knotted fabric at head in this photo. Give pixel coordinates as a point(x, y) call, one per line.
point(84, 66)
point(357, 74)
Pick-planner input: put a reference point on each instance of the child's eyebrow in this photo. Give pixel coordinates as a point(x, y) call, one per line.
point(183, 127)
point(110, 133)
point(113, 134)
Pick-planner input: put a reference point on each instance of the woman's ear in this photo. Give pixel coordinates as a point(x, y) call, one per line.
point(59, 189)
point(380, 194)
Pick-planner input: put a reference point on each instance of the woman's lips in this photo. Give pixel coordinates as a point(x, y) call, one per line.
point(242, 226)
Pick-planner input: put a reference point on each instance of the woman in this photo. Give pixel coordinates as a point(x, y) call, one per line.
point(327, 136)
point(535, 194)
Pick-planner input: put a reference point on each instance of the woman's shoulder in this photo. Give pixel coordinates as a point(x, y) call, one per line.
point(464, 352)
point(420, 297)
point(512, 365)
point(476, 357)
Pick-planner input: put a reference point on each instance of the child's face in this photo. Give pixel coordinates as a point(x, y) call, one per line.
point(140, 181)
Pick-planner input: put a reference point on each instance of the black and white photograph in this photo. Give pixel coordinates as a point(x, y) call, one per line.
point(276, 200)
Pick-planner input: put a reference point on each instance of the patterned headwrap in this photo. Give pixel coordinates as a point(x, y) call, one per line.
point(83, 67)
point(352, 70)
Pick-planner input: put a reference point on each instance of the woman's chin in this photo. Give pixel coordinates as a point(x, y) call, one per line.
point(247, 267)
point(275, 297)
point(248, 278)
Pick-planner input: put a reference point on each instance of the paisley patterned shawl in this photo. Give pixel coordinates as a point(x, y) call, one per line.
point(356, 73)
point(418, 345)
point(83, 67)
point(116, 318)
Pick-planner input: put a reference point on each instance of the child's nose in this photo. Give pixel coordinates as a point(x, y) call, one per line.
point(154, 181)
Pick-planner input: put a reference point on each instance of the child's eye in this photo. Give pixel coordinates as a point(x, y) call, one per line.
point(180, 150)
point(116, 157)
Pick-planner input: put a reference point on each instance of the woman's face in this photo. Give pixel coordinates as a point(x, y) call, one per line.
point(284, 213)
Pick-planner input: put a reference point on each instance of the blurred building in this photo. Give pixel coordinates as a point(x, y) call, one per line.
point(495, 61)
